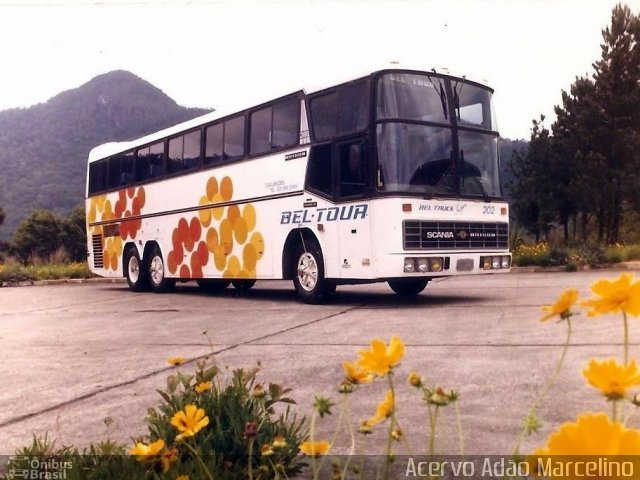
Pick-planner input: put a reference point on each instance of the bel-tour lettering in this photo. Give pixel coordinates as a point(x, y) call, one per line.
point(325, 214)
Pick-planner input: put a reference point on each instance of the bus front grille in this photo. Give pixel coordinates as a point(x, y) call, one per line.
point(421, 235)
point(98, 256)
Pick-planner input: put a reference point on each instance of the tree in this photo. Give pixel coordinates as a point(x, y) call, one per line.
point(37, 235)
point(532, 186)
point(74, 235)
point(2, 215)
point(617, 81)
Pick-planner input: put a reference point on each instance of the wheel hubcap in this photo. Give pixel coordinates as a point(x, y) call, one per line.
point(307, 271)
point(134, 269)
point(156, 270)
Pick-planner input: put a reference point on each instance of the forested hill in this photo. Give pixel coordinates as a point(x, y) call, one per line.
point(44, 148)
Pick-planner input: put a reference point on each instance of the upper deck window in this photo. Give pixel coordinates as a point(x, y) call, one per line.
point(98, 174)
point(473, 106)
point(234, 138)
point(150, 162)
point(184, 152)
point(412, 97)
point(343, 111)
point(275, 126)
point(121, 170)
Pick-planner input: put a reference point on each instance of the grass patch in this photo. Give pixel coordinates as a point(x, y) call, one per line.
point(15, 272)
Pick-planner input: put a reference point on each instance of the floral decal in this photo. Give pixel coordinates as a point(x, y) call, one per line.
point(224, 233)
point(129, 203)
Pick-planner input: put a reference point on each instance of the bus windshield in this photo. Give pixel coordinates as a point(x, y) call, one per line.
point(416, 135)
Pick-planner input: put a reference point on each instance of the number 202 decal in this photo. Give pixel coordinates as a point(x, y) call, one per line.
point(488, 210)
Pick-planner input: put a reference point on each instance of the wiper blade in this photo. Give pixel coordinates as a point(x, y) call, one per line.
point(477, 181)
point(443, 96)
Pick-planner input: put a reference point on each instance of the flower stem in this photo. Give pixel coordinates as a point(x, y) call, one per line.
point(352, 448)
point(550, 383)
point(626, 338)
point(614, 410)
point(460, 431)
point(250, 459)
point(432, 435)
point(197, 455)
point(392, 422)
point(312, 433)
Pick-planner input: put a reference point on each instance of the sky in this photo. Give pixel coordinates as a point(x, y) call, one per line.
point(230, 54)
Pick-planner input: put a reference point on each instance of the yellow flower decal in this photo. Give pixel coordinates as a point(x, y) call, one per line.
point(591, 434)
point(315, 449)
point(143, 451)
point(619, 295)
point(189, 421)
point(562, 307)
point(383, 410)
point(203, 387)
point(381, 358)
point(355, 375)
point(612, 378)
point(175, 361)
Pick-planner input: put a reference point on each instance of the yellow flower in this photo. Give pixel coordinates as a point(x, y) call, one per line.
point(266, 450)
point(279, 442)
point(563, 305)
point(315, 449)
point(168, 458)
point(183, 477)
point(176, 361)
point(612, 378)
point(189, 421)
point(143, 451)
point(381, 358)
point(592, 434)
point(415, 379)
point(620, 295)
point(203, 387)
point(383, 410)
point(355, 375)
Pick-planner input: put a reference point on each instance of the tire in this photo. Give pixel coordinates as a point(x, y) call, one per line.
point(134, 270)
point(308, 274)
point(156, 272)
point(408, 287)
point(213, 286)
point(243, 285)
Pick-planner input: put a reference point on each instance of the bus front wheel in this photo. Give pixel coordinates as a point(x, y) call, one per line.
point(408, 287)
point(155, 270)
point(134, 271)
point(308, 274)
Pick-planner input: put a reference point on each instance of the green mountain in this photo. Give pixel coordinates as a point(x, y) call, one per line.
point(44, 148)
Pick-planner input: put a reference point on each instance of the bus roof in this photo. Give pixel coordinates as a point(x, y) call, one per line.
point(113, 148)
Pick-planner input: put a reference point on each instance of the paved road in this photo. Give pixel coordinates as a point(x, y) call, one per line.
point(74, 355)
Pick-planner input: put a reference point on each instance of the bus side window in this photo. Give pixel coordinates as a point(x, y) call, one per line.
point(213, 145)
point(353, 164)
point(320, 171)
point(98, 176)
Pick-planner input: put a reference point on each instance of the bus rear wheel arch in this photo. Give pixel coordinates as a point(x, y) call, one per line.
point(408, 287)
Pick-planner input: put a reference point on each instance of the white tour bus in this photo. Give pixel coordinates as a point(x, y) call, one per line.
point(392, 177)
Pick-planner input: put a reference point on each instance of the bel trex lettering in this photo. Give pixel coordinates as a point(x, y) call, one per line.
point(325, 214)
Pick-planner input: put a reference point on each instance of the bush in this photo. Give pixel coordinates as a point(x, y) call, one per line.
point(615, 254)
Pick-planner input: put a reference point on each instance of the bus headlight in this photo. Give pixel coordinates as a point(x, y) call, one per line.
point(423, 265)
point(435, 264)
point(497, 262)
point(409, 265)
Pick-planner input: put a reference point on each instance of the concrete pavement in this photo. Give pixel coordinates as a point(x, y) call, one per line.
point(74, 355)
